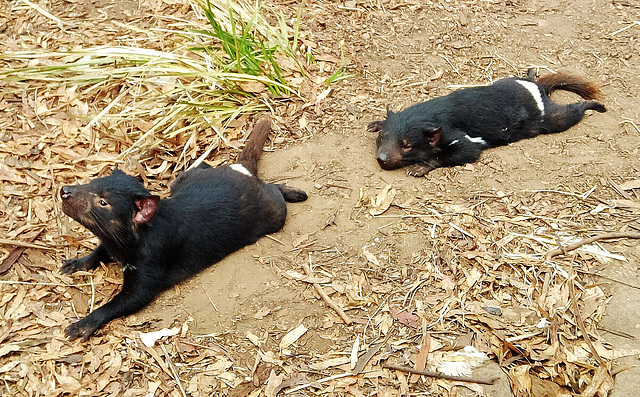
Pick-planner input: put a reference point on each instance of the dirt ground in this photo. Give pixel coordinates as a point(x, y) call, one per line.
point(390, 50)
point(403, 52)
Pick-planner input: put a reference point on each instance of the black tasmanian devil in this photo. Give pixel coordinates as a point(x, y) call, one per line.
point(211, 213)
point(454, 129)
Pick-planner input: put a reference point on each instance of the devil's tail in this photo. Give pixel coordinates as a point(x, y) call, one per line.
point(571, 83)
point(256, 140)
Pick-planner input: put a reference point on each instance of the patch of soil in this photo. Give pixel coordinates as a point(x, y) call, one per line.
point(404, 52)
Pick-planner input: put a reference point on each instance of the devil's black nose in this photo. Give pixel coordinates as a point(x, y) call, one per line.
point(387, 163)
point(65, 192)
point(383, 161)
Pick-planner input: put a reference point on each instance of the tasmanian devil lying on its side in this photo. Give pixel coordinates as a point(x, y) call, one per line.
point(211, 213)
point(454, 129)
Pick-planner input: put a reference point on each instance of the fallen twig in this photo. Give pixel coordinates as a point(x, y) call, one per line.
point(450, 64)
point(580, 321)
point(325, 297)
point(44, 12)
point(618, 189)
point(174, 373)
point(629, 121)
point(17, 243)
point(617, 333)
point(49, 284)
point(319, 381)
point(438, 375)
point(634, 23)
point(622, 368)
point(609, 278)
point(563, 250)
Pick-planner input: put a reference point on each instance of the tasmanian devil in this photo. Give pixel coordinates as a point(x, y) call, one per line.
point(210, 213)
point(454, 129)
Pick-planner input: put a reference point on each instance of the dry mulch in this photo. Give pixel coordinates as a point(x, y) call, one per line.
point(484, 280)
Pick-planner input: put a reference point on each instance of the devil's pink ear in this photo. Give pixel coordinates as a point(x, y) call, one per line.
point(145, 209)
point(433, 136)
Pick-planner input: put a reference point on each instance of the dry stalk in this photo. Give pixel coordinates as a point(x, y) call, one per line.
point(93, 294)
point(174, 373)
point(450, 64)
point(505, 60)
point(438, 375)
point(634, 23)
point(579, 320)
point(17, 243)
point(37, 283)
point(607, 236)
point(325, 297)
point(609, 278)
point(318, 382)
point(629, 121)
point(153, 353)
point(601, 376)
point(45, 13)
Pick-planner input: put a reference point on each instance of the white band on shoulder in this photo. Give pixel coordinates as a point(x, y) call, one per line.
point(535, 93)
point(476, 139)
point(241, 169)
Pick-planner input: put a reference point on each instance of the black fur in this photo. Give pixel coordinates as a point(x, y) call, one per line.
point(211, 213)
point(446, 131)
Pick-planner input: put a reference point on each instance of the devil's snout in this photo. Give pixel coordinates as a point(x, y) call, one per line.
point(66, 192)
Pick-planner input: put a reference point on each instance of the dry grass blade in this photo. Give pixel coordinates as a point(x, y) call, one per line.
point(180, 92)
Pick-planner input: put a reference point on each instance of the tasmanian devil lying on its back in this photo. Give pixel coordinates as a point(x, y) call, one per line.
point(211, 213)
point(454, 129)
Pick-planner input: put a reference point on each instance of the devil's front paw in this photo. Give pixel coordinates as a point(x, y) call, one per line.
point(419, 170)
point(82, 329)
point(375, 126)
point(75, 265)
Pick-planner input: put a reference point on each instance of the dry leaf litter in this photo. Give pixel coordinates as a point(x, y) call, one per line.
point(481, 289)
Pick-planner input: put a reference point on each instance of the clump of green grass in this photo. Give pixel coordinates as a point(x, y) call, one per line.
point(199, 84)
point(245, 52)
point(340, 73)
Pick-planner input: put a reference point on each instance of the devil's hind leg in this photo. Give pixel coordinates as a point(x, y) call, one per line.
point(559, 118)
point(292, 194)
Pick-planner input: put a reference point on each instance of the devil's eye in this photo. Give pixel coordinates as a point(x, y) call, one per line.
point(406, 145)
point(103, 203)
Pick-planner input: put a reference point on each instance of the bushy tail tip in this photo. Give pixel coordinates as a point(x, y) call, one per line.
point(566, 82)
point(256, 140)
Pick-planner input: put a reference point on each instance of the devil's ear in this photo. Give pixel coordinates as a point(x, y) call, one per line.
point(146, 208)
point(389, 111)
point(433, 136)
point(116, 170)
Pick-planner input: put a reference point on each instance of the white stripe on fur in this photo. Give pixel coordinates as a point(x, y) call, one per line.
point(535, 93)
point(476, 140)
point(240, 168)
